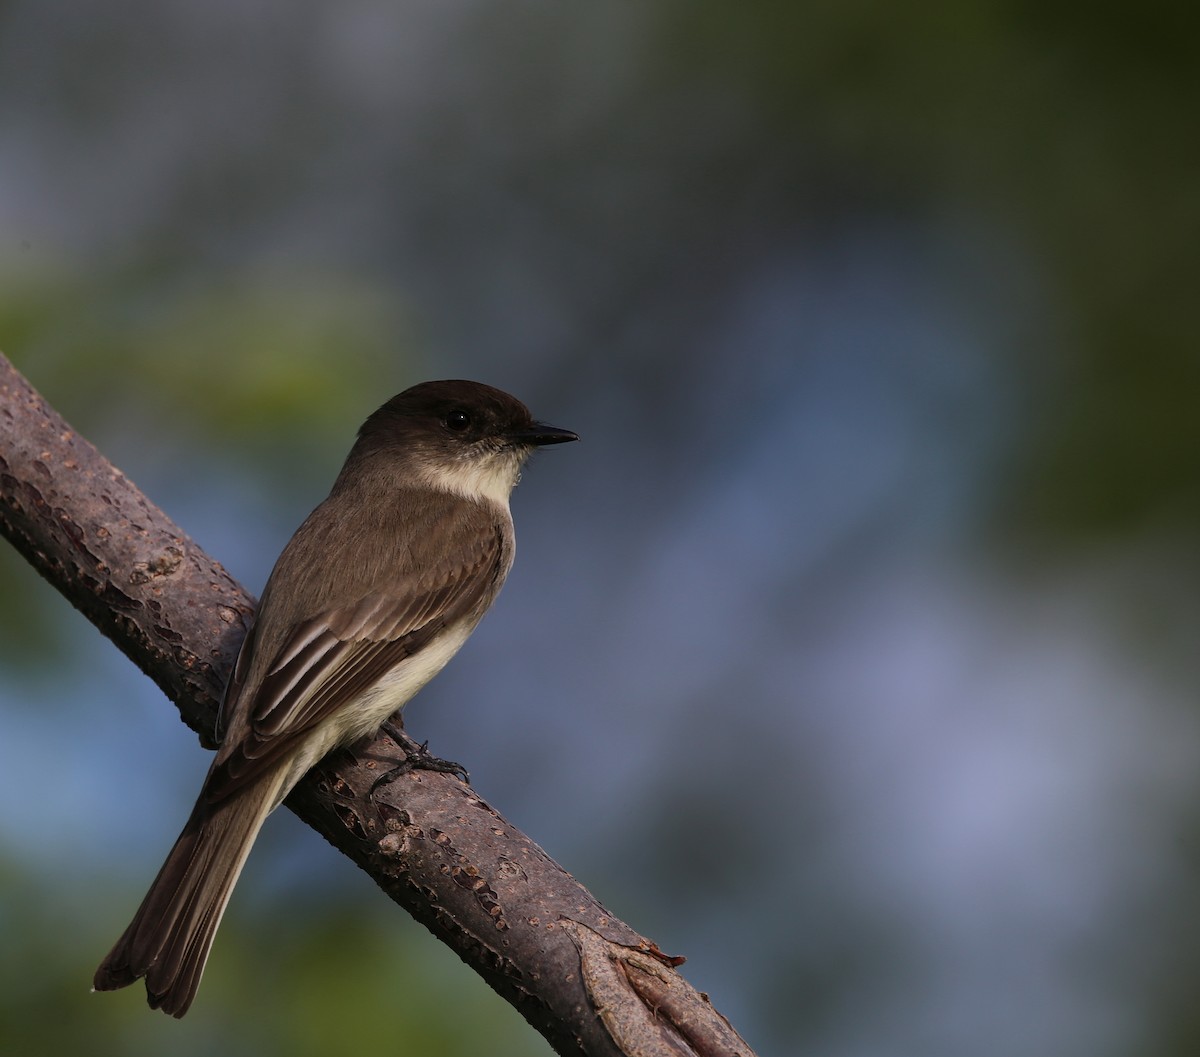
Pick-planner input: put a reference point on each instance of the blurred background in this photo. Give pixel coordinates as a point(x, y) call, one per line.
point(851, 654)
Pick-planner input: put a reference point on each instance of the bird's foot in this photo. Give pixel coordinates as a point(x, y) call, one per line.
point(419, 758)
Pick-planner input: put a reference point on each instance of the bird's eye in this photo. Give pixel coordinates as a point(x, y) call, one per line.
point(458, 421)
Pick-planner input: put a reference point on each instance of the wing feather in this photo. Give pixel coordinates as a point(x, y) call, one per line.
point(324, 663)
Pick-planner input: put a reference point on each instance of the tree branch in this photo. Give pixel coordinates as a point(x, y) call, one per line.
point(583, 978)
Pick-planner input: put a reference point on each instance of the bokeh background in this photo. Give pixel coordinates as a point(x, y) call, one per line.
point(852, 654)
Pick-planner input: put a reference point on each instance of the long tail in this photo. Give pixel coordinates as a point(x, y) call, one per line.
point(170, 936)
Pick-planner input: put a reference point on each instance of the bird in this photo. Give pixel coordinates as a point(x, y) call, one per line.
point(376, 591)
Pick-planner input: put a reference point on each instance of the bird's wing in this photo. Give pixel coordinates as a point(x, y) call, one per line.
point(327, 662)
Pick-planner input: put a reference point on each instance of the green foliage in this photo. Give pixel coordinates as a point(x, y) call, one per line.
point(290, 358)
point(278, 987)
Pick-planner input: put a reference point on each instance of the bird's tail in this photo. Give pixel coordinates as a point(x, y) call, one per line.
point(170, 936)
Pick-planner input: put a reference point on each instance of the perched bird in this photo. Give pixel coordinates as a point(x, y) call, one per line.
point(371, 597)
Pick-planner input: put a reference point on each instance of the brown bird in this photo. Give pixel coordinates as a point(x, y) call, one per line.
point(375, 592)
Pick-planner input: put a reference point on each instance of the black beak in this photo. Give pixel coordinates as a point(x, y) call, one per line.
point(539, 435)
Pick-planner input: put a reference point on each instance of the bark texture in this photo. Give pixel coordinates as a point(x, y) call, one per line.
point(583, 978)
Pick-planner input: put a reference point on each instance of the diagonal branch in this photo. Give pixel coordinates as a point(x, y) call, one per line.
point(583, 978)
